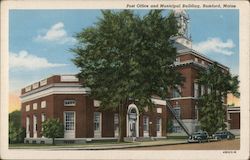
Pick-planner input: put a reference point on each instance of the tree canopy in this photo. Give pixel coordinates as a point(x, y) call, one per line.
point(125, 57)
point(52, 128)
point(212, 109)
point(16, 132)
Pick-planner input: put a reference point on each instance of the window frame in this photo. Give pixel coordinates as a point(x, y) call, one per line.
point(146, 123)
point(69, 125)
point(97, 121)
point(43, 104)
point(69, 102)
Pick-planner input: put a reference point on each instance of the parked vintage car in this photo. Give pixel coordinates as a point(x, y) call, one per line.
point(219, 135)
point(199, 137)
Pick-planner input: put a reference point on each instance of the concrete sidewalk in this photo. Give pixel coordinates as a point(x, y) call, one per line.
point(128, 145)
point(107, 146)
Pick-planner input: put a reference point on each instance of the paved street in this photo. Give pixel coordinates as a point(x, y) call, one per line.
point(219, 145)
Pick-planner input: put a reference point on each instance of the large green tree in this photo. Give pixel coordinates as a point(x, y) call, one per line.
point(52, 128)
point(16, 132)
point(211, 105)
point(126, 57)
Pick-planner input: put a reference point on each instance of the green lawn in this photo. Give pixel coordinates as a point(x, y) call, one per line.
point(67, 145)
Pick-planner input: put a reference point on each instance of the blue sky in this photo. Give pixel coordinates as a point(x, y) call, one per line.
point(40, 40)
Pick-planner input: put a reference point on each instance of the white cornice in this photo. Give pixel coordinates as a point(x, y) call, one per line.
point(54, 89)
point(195, 53)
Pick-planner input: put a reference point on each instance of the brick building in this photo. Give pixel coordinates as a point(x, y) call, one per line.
point(61, 96)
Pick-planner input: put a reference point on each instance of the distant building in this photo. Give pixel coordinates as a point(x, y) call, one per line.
point(61, 96)
point(233, 116)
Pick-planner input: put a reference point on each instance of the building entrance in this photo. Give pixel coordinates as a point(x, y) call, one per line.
point(132, 121)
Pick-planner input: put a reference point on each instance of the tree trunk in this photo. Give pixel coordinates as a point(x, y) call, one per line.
point(121, 123)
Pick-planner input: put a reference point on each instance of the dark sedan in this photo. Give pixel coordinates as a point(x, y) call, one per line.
point(219, 135)
point(198, 137)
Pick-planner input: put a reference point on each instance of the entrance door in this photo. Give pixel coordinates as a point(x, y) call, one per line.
point(132, 127)
point(132, 123)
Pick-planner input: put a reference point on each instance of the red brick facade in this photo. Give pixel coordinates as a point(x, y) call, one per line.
point(83, 108)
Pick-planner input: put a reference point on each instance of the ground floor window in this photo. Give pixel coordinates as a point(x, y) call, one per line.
point(116, 122)
point(177, 111)
point(158, 124)
point(69, 121)
point(43, 119)
point(145, 123)
point(158, 127)
point(34, 126)
point(69, 124)
point(177, 129)
point(97, 121)
point(196, 112)
point(27, 127)
point(97, 124)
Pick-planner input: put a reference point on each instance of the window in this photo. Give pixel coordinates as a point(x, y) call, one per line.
point(34, 106)
point(97, 121)
point(202, 90)
point(176, 94)
point(69, 121)
point(69, 103)
point(27, 108)
point(177, 112)
point(196, 90)
point(97, 103)
point(34, 123)
point(196, 59)
point(196, 112)
point(27, 124)
point(145, 123)
point(159, 110)
point(43, 104)
point(158, 124)
point(116, 122)
point(202, 62)
point(43, 117)
point(177, 129)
